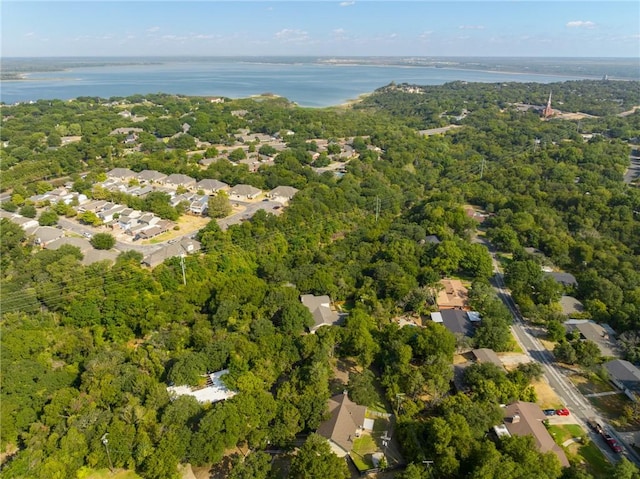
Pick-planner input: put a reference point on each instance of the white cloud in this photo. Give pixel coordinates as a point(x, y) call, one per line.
point(153, 29)
point(292, 35)
point(393, 35)
point(347, 4)
point(30, 34)
point(580, 24)
point(471, 27)
point(425, 35)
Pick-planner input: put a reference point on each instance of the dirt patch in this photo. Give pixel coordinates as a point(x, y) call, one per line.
point(547, 398)
point(459, 359)
point(512, 360)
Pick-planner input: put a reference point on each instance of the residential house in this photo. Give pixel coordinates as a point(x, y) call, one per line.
point(199, 205)
point(244, 192)
point(213, 391)
point(485, 355)
point(175, 180)
point(43, 235)
point(571, 306)
point(150, 176)
point(282, 194)
point(211, 187)
point(455, 320)
point(453, 294)
point(95, 255)
point(347, 422)
point(82, 244)
point(126, 130)
point(431, 239)
point(183, 247)
point(565, 279)
point(601, 334)
point(526, 419)
point(122, 174)
point(625, 376)
point(24, 222)
point(320, 308)
point(93, 206)
point(108, 215)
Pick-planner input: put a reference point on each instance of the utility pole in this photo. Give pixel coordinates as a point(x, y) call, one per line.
point(377, 208)
point(184, 276)
point(105, 441)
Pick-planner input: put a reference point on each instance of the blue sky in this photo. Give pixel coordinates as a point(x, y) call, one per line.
point(333, 28)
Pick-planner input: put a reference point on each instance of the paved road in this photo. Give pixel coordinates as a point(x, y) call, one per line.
point(580, 407)
point(633, 172)
point(250, 210)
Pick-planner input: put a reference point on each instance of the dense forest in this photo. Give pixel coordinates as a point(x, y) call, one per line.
point(90, 350)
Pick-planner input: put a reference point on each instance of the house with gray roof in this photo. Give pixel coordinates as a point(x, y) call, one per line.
point(211, 186)
point(282, 193)
point(183, 247)
point(455, 320)
point(485, 355)
point(95, 255)
point(122, 174)
point(199, 205)
point(82, 244)
point(150, 176)
point(175, 180)
point(625, 376)
point(244, 192)
point(43, 235)
point(24, 222)
point(565, 279)
point(346, 423)
point(601, 334)
point(320, 308)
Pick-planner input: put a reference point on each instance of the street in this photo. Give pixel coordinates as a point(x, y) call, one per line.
point(579, 406)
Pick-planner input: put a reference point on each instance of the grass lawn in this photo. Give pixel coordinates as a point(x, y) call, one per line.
point(562, 432)
point(588, 453)
point(361, 452)
point(597, 464)
point(590, 384)
point(612, 407)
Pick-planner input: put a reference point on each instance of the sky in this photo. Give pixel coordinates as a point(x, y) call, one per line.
point(568, 28)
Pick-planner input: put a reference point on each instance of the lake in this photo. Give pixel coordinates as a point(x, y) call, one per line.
point(308, 84)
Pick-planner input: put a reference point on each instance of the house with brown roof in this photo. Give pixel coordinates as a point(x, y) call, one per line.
point(527, 419)
point(346, 423)
point(122, 174)
point(175, 180)
point(452, 295)
point(210, 186)
point(282, 193)
point(244, 192)
point(485, 355)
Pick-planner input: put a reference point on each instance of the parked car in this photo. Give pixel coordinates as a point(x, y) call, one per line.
point(612, 443)
point(549, 412)
point(562, 412)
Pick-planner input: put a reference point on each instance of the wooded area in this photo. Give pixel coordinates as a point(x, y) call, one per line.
point(89, 350)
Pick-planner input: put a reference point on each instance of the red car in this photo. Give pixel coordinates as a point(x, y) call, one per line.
point(562, 412)
point(612, 443)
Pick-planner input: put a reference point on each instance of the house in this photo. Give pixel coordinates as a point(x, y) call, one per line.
point(526, 419)
point(565, 279)
point(320, 308)
point(93, 206)
point(150, 176)
point(108, 215)
point(244, 192)
point(485, 355)
point(601, 334)
point(95, 255)
point(282, 194)
point(175, 180)
point(455, 320)
point(24, 222)
point(211, 187)
point(571, 306)
point(346, 423)
point(625, 376)
point(43, 235)
point(183, 247)
point(122, 174)
point(213, 391)
point(199, 205)
point(432, 239)
point(82, 244)
point(452, 295)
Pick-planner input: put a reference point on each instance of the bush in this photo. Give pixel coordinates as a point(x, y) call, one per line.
point(103, 241)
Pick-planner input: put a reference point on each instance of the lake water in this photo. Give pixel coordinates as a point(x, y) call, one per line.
point(308, 84)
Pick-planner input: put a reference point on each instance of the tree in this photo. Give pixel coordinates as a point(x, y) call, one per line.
point(28, 211)
point(219, 205)
point(89, 218)
point(625, 469)
point(314, 460)
point(361, 388)
point(48, 218)
point(256, 465)
point(237, 155)
point(103, 241)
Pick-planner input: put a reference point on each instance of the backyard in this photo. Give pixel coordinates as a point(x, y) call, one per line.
point(586, 452)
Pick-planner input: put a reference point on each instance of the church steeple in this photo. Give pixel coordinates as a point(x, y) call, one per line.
point(548, 111)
